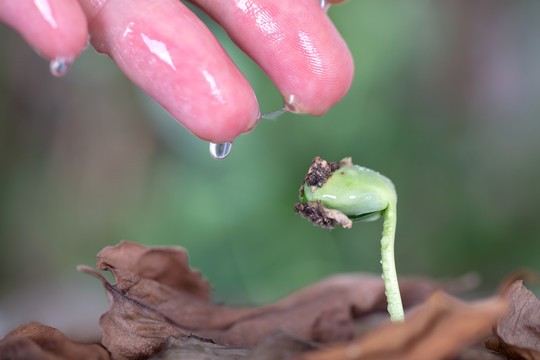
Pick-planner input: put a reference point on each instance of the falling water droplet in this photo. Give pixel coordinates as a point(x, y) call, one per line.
point(221, 150)
point(60, 66)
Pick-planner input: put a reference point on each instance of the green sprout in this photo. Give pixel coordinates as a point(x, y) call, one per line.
point(340, 193)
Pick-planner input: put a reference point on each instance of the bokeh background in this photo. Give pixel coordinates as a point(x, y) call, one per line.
point(445, 101)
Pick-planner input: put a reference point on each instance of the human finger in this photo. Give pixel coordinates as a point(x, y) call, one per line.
point(295, 43)
point(56, 29)
point(170, 54)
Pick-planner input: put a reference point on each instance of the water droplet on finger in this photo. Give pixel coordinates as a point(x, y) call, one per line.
point(325, 5)
point(60, 66)
point(221, 150)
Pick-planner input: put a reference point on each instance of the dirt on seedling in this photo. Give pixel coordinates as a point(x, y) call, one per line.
point(159, 308)
point(317, 175)
point(319, 171)
point(316, 213)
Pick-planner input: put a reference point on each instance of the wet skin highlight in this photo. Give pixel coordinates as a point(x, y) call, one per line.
point(171, 55)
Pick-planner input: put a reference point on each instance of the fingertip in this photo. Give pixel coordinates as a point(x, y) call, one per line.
point(56, 29)
point(315, 91)
point(226, 125)
point(297, 46)
point(191, 76)
point(320, 72)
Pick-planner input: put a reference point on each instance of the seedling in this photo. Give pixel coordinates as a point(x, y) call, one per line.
point(340, 193)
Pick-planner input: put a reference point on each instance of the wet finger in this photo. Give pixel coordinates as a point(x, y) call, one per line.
point(170, 54)
point(295, 43)
point(56, 29)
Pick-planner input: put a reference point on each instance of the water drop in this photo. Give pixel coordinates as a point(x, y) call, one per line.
point(273, 114)
point(324, 5)
point(60, 66)
point(221, 150)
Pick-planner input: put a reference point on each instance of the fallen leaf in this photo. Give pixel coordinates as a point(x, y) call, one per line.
point(438, 329)
point(157, 295)
point(39, 342)
point(517, 334)
point(479, 353)
point(279, 345)
point(155, 263)
point(195, 348)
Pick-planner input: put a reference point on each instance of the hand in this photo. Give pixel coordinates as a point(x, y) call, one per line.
point(170, 54)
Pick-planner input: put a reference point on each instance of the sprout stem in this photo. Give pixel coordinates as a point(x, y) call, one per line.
point(338, 194)
point(395, 307)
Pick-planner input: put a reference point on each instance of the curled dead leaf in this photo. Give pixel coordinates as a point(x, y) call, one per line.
point(517, 334)
point(165, 265)
point(39, 342)
point(160, 308)
point(438, 329)
point(157, 296)
point(279, 345)
point(195, 348)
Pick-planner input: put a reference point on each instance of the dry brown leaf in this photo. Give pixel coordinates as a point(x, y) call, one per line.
point(155, 263)
point(479, 353)
point(517, 334)
point(438, 329)
point(157, 295)
point(39, 342)
point(280, 345)
point(195, 348)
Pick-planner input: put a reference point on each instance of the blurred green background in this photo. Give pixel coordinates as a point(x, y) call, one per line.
point(445, 102)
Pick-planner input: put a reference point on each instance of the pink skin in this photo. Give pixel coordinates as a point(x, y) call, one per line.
point(169, 53)
point(54, 28)
point(295, 43)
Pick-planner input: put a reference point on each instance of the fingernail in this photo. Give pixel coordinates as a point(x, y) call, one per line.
point(289, 104)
